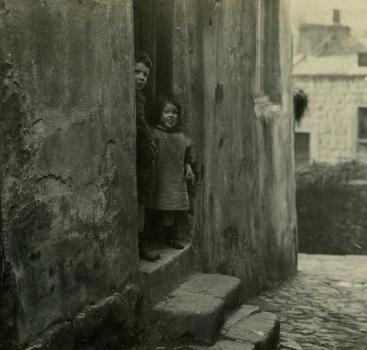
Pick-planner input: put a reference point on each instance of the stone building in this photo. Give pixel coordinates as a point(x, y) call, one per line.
point(68, 193)
point(331, 68)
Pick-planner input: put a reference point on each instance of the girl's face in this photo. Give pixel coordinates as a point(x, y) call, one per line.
point(169, 116)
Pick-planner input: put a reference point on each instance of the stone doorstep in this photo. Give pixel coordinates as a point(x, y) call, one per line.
point(243, 312)
point(189, 314)
point(261, 329)
point(157, 279)
point(197, 307)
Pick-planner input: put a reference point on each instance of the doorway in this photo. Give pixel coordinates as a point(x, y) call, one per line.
point(302, 148)
point(153, 32)
point(153, 20)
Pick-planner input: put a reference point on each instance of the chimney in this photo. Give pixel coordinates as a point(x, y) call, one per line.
point(336, 16)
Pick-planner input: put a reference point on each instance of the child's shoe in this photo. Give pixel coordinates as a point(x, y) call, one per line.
point(145, 254)
point(171, 237)
point(174, 244)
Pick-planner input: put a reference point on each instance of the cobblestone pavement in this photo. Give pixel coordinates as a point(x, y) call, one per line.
point(324, 306)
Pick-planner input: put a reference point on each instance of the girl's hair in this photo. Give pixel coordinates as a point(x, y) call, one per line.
point(142, 57)
point(159, 105)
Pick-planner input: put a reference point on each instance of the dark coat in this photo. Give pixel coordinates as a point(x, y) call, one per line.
point(145, 150)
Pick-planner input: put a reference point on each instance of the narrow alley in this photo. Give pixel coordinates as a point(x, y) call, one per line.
point(162, 164)
point(324, 306)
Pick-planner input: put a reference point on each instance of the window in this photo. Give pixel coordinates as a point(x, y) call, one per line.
point(362, 59)
point(336, 16)
point(260, 48)
point(302, 148)
point(267, 72)
point(362, 125)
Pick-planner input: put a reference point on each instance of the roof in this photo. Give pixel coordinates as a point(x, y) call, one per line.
point(327, 40)
point(329, 65)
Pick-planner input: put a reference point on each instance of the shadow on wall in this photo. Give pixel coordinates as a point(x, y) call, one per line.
point(8, 303)
point(332, 208)
point(8, 298)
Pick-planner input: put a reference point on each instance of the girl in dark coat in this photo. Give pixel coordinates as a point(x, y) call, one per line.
point(173, 168)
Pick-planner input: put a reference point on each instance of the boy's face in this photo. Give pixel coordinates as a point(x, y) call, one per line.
point(169, 116)
point(141, 75)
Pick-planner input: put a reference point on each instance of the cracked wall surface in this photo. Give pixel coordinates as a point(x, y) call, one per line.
point(68, 154)
point(245, 221)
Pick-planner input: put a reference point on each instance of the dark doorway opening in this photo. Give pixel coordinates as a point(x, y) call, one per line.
point(302, 148)
point(153, 34)
point(153, 21)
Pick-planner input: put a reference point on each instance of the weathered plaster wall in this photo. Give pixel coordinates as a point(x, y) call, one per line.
point(332, 116)
point(67, 154)
point(245, 210)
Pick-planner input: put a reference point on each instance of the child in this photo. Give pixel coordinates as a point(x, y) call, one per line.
point(145, 150)
point(175, 158)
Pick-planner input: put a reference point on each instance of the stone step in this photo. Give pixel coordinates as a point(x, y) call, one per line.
point(247, 328)
point(157, 279)
point(243, 312)
point(197, 308)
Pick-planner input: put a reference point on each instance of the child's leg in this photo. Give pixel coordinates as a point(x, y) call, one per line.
point(144, 252)
point(171, 237)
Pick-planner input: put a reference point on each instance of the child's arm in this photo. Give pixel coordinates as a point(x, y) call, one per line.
point(144, 133)
point(190, 159)
point(189, 173)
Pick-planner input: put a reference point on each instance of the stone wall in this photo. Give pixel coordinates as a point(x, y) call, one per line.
point(332, 116)
point(332, 219)
point(68, 197)
point(245, 220)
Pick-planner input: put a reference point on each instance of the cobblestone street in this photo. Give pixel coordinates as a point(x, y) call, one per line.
point(324, 306)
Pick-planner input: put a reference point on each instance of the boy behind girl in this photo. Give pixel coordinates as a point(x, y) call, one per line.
point(145, 151)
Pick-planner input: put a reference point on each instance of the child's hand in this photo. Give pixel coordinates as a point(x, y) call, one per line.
point(153, 149)
point(189, 174)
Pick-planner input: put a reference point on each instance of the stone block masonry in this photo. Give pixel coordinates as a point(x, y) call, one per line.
point(332, 116)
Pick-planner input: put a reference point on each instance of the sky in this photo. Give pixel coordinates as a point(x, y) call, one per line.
point(353, 13)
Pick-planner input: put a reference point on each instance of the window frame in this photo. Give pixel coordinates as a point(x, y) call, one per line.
point(267, 87)
point(361, 141)
point(260, 49)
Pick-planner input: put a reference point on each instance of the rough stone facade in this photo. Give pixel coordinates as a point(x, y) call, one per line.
point(332, 116)
point(68, 194)
point(68, 201)
point(245, 221)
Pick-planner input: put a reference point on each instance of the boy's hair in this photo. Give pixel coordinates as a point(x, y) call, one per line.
point(142, 57)
point(159, 105)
